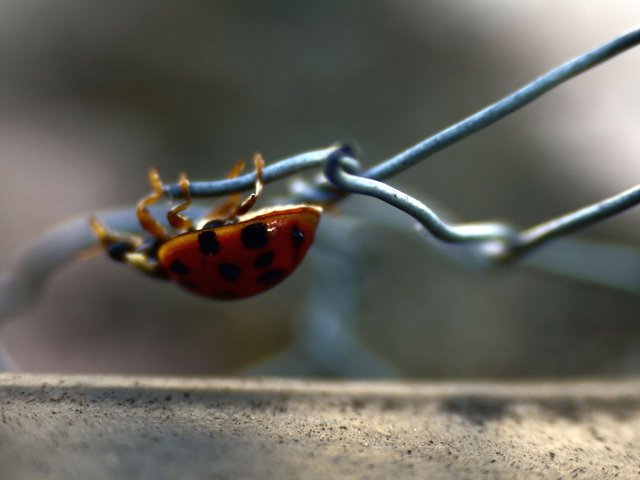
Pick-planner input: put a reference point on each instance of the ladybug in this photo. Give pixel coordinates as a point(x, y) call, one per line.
point(230, 253)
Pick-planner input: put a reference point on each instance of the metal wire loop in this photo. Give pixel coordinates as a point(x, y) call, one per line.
point(499, 242)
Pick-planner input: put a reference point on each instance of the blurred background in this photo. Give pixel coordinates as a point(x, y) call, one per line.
point(93, 93)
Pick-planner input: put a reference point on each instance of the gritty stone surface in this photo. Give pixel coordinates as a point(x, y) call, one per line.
point(106, 427)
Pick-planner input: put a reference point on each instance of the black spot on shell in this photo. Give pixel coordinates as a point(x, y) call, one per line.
point(264, 260)
point(208, 241)
point(272, 276)
point(297, 237)
point(229, 271)
point(118, 250)
point(178, 267)
point(255, 236)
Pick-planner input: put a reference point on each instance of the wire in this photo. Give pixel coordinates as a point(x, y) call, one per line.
point(498, 241)
point(504, 107)
point(424, 149)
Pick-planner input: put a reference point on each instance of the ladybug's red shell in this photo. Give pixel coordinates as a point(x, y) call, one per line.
point(244, 258)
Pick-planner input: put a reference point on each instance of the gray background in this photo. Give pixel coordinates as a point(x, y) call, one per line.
point(93, 93)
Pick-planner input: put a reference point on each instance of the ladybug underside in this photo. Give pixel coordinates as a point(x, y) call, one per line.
point(229, 253)
point(244, 258)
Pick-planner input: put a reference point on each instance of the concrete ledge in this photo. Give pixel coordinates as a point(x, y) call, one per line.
point(106, 427)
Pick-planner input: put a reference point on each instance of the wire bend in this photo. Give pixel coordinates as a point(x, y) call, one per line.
point(498, 242)
point(346, 179)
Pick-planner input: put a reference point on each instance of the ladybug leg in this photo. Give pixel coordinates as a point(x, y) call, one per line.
point(245, 206)
point(147, 221)
point(234, 206)
point(230, 203)
point(224, 210)
point(117, 245)
point(176, 219)
point(143, 262)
